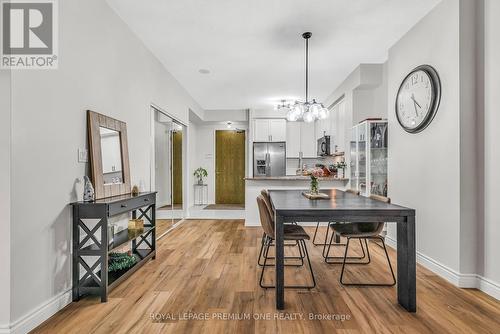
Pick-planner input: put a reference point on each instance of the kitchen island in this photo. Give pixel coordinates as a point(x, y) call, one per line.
point(253, 186)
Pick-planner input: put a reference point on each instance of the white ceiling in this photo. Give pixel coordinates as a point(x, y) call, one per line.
point(254, 49)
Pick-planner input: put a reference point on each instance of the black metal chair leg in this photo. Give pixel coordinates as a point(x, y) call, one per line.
point(327, 258)
point(310, 267)
point(306, 253)
point(368, 284)
point(301, 257)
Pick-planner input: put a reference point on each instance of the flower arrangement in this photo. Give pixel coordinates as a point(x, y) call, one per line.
point(200, 173)
point(315, 174)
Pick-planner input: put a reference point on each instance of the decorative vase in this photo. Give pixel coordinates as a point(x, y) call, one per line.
point(88, 190)
point(200, 181)
point(314, 186)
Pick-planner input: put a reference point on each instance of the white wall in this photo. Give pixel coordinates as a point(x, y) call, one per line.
point(490, 233)
point(5, 197)
point(103, 67)
point(192, 160)
point(424, 168)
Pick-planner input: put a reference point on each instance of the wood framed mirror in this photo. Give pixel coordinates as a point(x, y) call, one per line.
point(109, 162)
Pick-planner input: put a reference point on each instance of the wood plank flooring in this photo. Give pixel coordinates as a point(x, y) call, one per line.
point(207, 269)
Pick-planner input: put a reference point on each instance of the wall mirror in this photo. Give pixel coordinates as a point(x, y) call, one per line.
point(110, 171)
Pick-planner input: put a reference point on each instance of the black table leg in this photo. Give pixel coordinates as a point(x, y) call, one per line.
point(279, 262)
point(407, 267)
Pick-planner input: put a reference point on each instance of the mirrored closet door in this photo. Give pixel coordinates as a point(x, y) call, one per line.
point(168, 175)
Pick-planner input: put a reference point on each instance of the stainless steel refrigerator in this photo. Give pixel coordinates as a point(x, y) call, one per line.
point(269, 159)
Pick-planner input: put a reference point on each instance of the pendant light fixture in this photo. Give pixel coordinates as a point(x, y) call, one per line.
point(307, 111)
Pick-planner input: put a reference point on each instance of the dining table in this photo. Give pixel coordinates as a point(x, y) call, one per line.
point(291, 206)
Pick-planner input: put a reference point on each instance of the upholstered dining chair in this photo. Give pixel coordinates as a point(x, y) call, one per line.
point(267, 200)
point(324, 244)
point(292, 232)
point(361, 231)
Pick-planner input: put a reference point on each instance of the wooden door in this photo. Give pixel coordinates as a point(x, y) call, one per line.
point(177, 167)
point(229, 167)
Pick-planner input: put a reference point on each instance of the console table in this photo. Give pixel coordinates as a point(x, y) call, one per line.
point(92, 241)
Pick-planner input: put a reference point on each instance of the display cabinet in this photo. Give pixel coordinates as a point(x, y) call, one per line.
point(368, 153)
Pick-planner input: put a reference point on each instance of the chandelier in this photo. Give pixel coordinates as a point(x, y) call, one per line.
point(307, 111)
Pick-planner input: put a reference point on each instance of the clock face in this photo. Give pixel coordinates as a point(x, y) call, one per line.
point(418, 99)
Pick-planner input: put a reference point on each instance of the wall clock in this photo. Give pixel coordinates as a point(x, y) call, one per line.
point(418, 98)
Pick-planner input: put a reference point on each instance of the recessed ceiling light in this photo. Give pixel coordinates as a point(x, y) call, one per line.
point(204, 71)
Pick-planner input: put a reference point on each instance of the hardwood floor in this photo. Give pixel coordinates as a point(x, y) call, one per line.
point(209, 266)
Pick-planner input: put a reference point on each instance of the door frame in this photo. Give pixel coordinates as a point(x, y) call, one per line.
point(214, 165)
point(152, 177)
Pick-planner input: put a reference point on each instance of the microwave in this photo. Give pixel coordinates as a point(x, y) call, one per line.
point(324, 146)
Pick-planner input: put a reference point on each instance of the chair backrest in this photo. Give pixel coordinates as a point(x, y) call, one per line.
point(265, 217)
point(267, 198)
point(383, 199)
point(353, 191)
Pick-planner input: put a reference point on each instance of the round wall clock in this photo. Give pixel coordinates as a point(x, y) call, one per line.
point(418, 98)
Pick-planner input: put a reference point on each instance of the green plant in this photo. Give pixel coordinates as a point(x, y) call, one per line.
point(120, 261)
point(200, 173)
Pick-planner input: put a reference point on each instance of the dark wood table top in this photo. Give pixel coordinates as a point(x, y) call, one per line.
point(339, 201)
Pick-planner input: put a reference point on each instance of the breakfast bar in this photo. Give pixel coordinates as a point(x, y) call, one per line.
point(254, 185)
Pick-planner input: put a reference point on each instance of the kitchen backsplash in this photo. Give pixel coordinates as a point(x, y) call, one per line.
point(292, 164)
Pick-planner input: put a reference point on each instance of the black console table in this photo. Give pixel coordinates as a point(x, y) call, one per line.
point(91, 241)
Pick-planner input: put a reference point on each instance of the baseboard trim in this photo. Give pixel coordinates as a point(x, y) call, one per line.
point(37, 316)
point(466, 281)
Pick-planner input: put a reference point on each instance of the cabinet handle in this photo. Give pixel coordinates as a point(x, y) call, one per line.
point(124, 205)
point(146, 200)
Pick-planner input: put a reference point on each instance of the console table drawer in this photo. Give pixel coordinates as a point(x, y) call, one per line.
point(131, 204)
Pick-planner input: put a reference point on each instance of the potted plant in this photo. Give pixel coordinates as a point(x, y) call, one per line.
point(200, 173)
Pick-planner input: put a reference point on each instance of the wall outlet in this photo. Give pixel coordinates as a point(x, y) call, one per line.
point(83, 155)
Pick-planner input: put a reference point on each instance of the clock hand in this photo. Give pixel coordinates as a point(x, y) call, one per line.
point(415, 105)
point(415, 101)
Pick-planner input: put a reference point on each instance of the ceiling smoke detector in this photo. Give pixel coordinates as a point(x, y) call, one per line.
point(204, 71)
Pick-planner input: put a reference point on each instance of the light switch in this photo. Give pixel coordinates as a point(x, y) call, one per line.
point(83, 155)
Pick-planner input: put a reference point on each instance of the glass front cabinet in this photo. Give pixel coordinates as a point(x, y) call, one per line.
point(368, 153)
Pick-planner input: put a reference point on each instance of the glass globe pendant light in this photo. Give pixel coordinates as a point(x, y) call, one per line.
point(306, 111)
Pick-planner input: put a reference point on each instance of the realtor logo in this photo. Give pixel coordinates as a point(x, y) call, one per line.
point(29, 34)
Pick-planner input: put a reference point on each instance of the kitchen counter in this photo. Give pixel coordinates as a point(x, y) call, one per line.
point(254, 185)
point(294, 178)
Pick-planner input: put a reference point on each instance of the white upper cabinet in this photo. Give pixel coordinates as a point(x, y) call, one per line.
point(269, 130)
point(261, 130)
point(293, 139)
point(323, 126)
point(308, 140)
point(277, 129)
point(338, 126)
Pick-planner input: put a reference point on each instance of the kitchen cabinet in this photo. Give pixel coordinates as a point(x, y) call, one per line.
point(277, 129)
point(261, 130)
point(308, 140)
point(300, 137)
point(269, 130)
point(338, 125)
point(323, 126)
point(293, 139)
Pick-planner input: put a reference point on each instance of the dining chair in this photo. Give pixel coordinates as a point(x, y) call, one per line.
point(267, 200)
point(324, 244)
point(291, 232)
point(361, 231)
